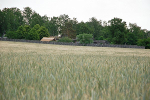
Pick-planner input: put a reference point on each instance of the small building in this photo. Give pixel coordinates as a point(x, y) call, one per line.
point(48, 39)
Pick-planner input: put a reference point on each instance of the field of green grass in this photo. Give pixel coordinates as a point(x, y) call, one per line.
point(30, 71)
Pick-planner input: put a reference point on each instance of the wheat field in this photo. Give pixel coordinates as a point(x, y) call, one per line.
point(30, 71)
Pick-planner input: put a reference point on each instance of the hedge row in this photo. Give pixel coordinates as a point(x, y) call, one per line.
point(74, 44)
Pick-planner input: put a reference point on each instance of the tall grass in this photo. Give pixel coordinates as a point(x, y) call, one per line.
point(34, 75)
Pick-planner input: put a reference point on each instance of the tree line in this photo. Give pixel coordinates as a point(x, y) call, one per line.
point(28, 24)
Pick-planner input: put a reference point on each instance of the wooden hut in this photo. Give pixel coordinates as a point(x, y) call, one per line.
point(48, 39)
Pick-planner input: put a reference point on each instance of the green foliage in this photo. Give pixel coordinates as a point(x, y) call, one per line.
point(33, 34)
point(36, 19)
point(21, 32)
point(43, 32)
point(11, 35)
point(117, 31)
point(83, 28)
point(144, 42)
point(131, 38)
point(27, 28)
point(65, 39)
point(85, 38)
point(37, 26)
point(37, 32)
point(136, 30)
point(119, 37)
point(100, 38)
point(52, 26)
point(96, 27)
point(141, 42)
point(10, 19)
point(27, 13)
point(1, 23)
point(68, 30)
point(25, 32)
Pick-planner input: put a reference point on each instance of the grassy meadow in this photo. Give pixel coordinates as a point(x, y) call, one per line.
point(30, 71)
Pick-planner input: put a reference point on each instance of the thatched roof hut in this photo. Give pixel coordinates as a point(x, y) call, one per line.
point(48, 39)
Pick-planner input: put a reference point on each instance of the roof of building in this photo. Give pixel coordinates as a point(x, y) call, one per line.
point(48, 39)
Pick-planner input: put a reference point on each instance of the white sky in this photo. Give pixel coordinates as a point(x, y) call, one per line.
point(133, 11)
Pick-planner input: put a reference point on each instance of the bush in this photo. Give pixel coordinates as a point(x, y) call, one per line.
point(144, 42)
point(101, 38)
point(85, 38)
point(43, 32)
point(33, 34)
point(65, 39)
point(21, 32)
point(131, 39)
point(11, 35)
point(27, 30)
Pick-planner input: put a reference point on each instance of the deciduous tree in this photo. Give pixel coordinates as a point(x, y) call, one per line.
point(27, 13)
point(67, 30)
point(117, 30)
point(85, 38)
point(33, 34)
point(83, 28)
point(21, 32)
point(96, 27)
point(43, 32)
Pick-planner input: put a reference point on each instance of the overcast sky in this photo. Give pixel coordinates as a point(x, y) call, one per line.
point(133, 11)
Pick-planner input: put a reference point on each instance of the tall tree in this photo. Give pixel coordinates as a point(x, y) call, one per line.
point(11, 19)
point(137, 31)
point(36, 19)
point(46, 22)
point(83, 28)
point(148, 34)
point(17, 18)
point(67, 30)
point(33, 33)
point(27, 13)
point(43, 32)
point(1, 23)
point(131, 38)
point(96, 26)
point(105, 30)
point(117, 30)
point(63, 19)
point(53, 26)
point(21, 32)
point(74, 23)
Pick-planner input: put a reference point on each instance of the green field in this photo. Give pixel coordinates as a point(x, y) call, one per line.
point(30, 71)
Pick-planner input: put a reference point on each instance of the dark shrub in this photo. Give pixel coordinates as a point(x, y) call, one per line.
point(85, 38)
